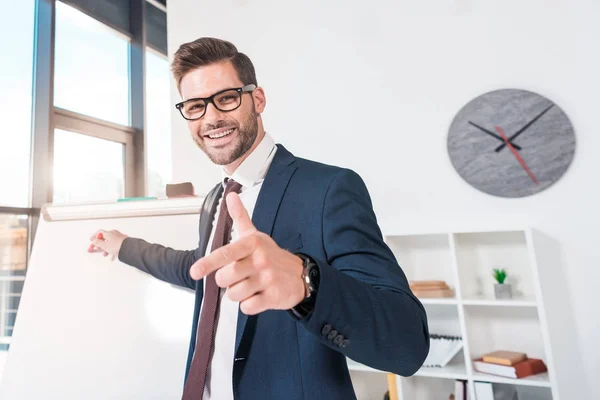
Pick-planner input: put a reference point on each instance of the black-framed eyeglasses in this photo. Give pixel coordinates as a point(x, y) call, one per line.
point(225, 100)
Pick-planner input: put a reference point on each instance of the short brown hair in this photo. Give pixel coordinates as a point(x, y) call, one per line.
point(207, 50)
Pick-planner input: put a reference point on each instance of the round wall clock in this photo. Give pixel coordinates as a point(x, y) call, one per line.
point(511, 143)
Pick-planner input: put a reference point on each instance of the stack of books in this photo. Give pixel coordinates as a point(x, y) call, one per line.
point(431, 289)
point(509, 364)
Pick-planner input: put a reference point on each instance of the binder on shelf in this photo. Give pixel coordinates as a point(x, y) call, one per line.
point(442, 349)
point(484, 391)
point(489, 391)
point(461, 391)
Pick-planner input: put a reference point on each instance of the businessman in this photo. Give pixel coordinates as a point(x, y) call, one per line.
point(291, 273)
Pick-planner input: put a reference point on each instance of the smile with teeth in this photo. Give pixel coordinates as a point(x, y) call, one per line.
point(222, 134)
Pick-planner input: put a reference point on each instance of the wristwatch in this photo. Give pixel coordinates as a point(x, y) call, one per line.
point(310, 277)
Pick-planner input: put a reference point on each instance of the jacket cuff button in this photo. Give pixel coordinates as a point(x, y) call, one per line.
point(338, 340)
point(332, 334)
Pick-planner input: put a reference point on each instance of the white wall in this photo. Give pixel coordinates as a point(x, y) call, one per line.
point(3, 355)
point(374, 86)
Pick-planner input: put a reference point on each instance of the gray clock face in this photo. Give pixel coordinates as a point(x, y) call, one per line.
point(511, 143)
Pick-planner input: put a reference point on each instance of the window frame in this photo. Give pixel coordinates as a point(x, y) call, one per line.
point(45, 117)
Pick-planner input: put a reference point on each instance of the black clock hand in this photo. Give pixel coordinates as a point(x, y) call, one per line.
point(492, 134)
point(514, 136)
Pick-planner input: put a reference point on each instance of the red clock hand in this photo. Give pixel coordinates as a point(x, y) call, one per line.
point(517, 156)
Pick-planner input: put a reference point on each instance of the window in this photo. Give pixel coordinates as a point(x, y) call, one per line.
point(95, 144)
point(87, 169)
point(16, 68)
point(158, 122)
point(91, 73)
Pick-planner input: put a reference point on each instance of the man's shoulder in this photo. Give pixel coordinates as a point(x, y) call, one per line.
point(308, 166)
point(315, 166)
point(316, 174)
point(315, 171)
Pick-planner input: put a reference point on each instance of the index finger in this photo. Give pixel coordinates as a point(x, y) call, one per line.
point(222, 256)
point(241, 220)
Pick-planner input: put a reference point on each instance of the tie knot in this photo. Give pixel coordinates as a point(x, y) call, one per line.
point(231, 186)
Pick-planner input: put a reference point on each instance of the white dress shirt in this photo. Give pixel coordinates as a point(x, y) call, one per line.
point(250, 174)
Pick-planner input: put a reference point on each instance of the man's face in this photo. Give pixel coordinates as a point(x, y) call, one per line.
point(223, 136)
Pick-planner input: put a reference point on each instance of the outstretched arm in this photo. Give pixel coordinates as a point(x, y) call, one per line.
point(162, 262)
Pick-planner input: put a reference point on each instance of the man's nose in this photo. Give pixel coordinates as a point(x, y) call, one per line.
point(212, 114)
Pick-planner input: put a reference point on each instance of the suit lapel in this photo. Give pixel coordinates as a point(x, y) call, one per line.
point(271, 193)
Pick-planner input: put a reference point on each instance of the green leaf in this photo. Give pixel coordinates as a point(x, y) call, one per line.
point(500, 275)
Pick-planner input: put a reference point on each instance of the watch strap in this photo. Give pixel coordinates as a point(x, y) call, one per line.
point(310, 275)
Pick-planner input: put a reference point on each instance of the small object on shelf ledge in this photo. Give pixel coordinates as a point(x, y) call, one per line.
point(504, 357)
point(431, 289)
point(523, 369)
point(503, 291)
point(184, 189)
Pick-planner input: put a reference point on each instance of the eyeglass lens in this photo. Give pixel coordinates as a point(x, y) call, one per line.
point(225, 101)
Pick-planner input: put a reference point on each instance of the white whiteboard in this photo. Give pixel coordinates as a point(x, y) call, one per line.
point(89, 328)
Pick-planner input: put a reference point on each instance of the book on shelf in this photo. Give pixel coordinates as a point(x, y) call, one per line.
point(503, 357)
point(431, 289)
point(461, 391)
point(392, 392)
point(528, 367)
point(442, 349)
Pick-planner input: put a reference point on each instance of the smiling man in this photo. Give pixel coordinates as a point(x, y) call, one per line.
point(291, 273)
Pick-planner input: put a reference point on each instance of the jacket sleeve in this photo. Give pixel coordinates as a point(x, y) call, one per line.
point(363, 293)
point(161, 262)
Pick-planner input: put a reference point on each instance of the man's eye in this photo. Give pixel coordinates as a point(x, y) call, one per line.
point(196, 107)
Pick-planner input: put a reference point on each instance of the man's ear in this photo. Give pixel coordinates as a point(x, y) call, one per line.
point(260, 101)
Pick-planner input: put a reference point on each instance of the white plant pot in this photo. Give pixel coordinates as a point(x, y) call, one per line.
point(503, 291)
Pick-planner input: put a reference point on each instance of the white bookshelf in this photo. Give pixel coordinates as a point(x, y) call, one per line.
point(537, 320)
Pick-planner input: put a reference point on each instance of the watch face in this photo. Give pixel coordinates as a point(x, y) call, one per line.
point(511, 143)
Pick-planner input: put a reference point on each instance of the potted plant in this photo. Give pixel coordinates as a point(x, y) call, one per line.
point(502, 290)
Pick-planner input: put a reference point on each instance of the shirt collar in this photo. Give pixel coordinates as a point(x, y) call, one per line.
point(254, 168)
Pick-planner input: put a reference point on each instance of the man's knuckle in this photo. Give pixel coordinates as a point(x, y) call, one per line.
point(219, 278)
point(268, 277)
point(227, 254)
point(254, 241)
point(235, 267)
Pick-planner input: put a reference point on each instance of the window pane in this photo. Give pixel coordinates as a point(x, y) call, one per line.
point(156, 28)
point(16, 77)
point(87, 169)
point(158, 123)
point(13, 263)
point(115, 12)
point(91, 73)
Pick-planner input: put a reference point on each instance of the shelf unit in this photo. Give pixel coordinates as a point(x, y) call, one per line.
point(537, 320)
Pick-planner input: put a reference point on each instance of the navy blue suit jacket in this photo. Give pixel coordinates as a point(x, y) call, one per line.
point(326, 213)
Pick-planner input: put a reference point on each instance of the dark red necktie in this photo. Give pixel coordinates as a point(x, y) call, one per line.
point(205, 338)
